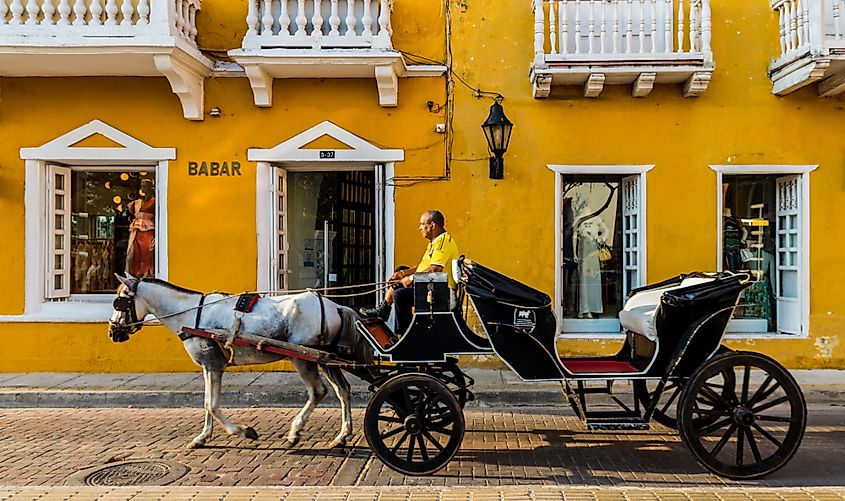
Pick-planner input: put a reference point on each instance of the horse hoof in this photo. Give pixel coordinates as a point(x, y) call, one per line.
point(292, 441)
point(196, 444)
point(337, 444)
point(250, 433)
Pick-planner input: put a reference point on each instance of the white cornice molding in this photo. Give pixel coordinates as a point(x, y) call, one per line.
point(763, 168)
point(600, 169)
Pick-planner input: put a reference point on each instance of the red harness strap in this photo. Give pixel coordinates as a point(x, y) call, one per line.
point(246, 302)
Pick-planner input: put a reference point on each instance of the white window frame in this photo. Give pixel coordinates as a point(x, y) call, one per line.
point(735, 329)
point(595, 328)
point(293, 154)
point(131, 154)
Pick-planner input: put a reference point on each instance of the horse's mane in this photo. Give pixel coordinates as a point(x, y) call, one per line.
point(163, 283)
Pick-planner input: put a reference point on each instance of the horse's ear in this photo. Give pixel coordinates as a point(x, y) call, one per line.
point(130, 277)
point(124, 281)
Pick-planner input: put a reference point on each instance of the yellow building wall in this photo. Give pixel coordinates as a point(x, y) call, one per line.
point(507, 225)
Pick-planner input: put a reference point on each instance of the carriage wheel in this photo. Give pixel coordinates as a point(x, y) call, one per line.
point(454, 379)
point(666, 411)
point(758, 424)
point(414, 424)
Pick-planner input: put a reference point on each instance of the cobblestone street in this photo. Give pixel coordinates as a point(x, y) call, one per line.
point(44, 447)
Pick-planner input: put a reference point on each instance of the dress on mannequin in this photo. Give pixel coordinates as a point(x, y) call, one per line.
point(140, 258)
point(589, 237)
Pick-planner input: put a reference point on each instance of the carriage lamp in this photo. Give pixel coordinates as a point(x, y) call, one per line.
point(497, 129)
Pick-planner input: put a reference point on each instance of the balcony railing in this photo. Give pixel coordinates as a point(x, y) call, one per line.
point(98, 18)
point(322, 39)
point(597, 29)
point(644, 33)
point(812, 46)
point(69, 38)
point(316, 24)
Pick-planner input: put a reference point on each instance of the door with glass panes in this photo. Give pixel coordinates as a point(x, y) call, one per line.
point(329, 231)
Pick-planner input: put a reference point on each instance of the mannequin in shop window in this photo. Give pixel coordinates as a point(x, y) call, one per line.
point(733, 239)
point(590, 239)
point(140, 256)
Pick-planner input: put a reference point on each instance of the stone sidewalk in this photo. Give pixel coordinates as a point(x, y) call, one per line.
point(492, 388)
point(418, 494)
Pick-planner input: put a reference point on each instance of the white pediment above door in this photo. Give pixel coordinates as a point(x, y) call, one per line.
point(126, 148)
point(296, 149)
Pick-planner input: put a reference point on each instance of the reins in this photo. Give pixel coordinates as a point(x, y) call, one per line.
point(203, 303)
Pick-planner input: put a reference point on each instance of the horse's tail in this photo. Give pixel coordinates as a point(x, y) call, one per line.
point(351, 343)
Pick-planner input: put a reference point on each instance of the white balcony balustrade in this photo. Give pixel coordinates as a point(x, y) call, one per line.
point(322, 39)
point(67, 38)
point(640, 42)
point(812, 46)
point(315, 24)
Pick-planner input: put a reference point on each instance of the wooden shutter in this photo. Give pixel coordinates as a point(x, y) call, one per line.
point(279, 265)
point(631, 232)
point(788, 258)
point(58, 232)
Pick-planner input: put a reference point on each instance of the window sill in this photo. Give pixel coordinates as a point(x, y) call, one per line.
point(66, 311)
point(729, 336)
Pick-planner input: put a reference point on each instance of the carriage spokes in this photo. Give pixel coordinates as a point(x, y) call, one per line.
point(753, 427)
point(414, 424)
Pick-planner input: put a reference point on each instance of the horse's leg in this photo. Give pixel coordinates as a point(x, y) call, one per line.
point(207, 428)
point(316, 391)
point(216, 379)
point(343, 391)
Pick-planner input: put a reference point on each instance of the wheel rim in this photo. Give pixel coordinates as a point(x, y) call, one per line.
point(414, 424)
point(752, 429)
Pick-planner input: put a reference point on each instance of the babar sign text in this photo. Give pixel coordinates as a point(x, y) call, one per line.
point(214, 168)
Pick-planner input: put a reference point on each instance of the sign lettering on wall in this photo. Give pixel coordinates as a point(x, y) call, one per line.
point(214, 168)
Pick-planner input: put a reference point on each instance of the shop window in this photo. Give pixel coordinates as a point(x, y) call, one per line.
point(100, 222)
point(601, 248)
point(762, 234)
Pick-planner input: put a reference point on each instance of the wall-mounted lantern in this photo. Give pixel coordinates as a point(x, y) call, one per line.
point(497, 129)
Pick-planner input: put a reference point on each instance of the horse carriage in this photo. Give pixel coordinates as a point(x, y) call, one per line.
point(741, 414)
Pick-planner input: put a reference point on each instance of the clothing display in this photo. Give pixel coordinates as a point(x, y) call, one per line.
point(589, 239)
point(92, 265)
point(732, 241)
point(140, 257)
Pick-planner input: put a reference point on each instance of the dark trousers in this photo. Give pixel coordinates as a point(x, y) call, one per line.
point(403, 300)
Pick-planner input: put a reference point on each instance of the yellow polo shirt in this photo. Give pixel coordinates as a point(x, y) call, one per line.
point(441, 251)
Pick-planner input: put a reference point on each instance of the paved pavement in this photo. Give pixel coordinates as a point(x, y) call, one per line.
point(269, 389)
point(502, 447)
point(419, 494)
point(522, 443)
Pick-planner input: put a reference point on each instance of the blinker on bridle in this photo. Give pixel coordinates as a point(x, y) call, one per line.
point(125, 304)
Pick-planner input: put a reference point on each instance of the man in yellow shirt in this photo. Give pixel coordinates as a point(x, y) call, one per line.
point(438, 256)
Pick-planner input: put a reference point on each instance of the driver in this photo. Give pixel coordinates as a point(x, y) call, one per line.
point(438, 256)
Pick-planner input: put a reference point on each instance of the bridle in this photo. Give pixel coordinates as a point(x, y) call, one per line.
point(120, 332)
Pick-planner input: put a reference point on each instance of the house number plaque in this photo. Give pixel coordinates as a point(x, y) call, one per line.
point(326, 154)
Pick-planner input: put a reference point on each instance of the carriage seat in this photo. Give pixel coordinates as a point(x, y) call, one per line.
point(638, 314)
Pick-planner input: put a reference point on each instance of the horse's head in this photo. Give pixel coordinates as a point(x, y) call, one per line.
point(127, 317)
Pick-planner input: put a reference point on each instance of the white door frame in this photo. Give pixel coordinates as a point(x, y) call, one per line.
point(292, 154)
point(574, 327)
point(734, 327)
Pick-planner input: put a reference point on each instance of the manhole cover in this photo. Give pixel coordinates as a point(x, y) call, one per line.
point(130, 473)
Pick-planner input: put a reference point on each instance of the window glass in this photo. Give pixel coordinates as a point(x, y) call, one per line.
point(112, 228)
point(592, 246)
point(748, 243)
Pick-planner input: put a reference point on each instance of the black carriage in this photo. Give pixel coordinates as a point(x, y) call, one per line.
point(741, 414)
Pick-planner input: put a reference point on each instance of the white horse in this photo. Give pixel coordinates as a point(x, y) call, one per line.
point(298, 319)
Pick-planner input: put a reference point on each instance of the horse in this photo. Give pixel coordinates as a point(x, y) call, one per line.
point(303, 319)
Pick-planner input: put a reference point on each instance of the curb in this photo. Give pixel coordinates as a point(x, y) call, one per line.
point(527, 396)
